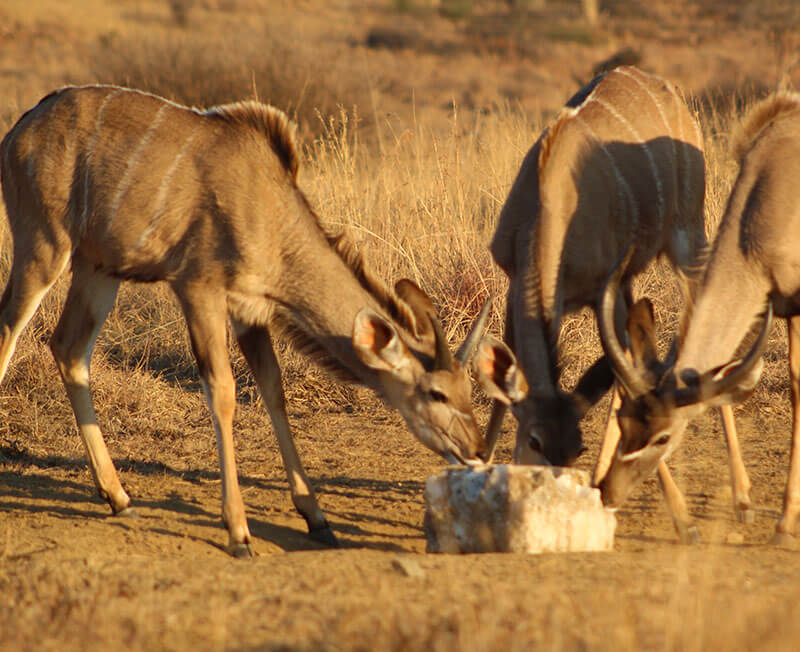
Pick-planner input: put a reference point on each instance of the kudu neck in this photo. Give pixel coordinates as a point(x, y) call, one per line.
point(532, 343)
point(323, 301)
point(727, 308)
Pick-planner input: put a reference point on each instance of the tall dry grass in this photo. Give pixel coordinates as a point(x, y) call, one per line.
point(422, 205)
point(210, 64)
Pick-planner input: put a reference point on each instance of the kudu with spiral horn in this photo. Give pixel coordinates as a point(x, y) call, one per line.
point(659, 398)
point(755, 263)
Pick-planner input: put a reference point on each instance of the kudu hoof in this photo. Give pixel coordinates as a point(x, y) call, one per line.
point(240, 550)
point(324, 535)
point(745, 515)
point(784, 540)
point(128, 512)
point(688, 536)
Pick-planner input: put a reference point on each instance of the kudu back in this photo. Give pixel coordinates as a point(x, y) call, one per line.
point(753, 270)
point(621, 163)
point(122, 184)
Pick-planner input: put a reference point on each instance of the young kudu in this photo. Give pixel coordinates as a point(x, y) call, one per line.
point(622, 162)
point(126, 185)
point(754, 265)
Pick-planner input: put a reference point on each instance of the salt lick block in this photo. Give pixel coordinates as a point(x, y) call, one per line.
point(505, 508)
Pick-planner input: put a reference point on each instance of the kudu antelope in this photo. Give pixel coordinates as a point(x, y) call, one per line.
point(126, 185)
point(754, 266)
point(622, 162)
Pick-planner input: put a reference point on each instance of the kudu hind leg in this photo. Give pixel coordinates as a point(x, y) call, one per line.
point(30, 279)
point(787, 526)
point(89, 300)
point(257, 348)
point(206, 315)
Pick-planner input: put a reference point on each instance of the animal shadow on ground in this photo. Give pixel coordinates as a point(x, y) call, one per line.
point(67, 498)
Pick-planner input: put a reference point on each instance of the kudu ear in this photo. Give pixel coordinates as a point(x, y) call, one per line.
point(378, 345)
point(642, 333)
point(594, 383)
point(498, 373)
point(743, 389)
point(429, 329)
point(423, 309)
point(641, 328)
point(732, 382)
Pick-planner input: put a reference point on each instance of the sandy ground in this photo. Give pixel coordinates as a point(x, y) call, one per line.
point(73, 577)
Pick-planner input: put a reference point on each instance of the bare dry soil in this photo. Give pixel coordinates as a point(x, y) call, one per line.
point(74, 577)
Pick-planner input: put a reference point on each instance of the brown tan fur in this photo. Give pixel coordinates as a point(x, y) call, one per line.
point(754, 263)
point(122, 184)
point(273, 123)
point(758, 117)
point(622, 162)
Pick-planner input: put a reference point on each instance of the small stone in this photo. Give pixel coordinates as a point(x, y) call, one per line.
point(734, 538)
point(408, 567)
point(504, 508)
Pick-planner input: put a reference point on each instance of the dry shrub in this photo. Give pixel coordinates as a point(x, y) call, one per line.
point(272, 62)
point(421, 205)
point(425, 205)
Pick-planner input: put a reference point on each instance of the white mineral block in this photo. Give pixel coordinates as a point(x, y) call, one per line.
point(509, 508)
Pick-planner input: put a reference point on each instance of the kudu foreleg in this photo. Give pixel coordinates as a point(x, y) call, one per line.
point(786, 529)
point(611, 436)
point(206, 316)
point(493, 428)
point(257, 348)
point(90, 298)
point(740, 483)
point(499, 409)
point(676, 503)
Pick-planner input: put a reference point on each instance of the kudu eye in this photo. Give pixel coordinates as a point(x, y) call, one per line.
point(437, 396)
point(535, 443)
point(663, 440)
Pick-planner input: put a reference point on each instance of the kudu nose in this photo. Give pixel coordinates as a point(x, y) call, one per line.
point(606, 495)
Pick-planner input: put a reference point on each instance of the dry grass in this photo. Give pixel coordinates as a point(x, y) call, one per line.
point(271, 62)
point(394, 613)
point(422, 205)
point(423, 202)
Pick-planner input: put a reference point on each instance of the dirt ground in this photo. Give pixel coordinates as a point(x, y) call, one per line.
point(72, 577)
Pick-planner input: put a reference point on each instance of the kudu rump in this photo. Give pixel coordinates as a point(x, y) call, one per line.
point(754, 268)
point(622, 162)
point(126, 185)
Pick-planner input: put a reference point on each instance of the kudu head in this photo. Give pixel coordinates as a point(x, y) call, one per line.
point(658, 399)
point(433, 390)
point(547, 426)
